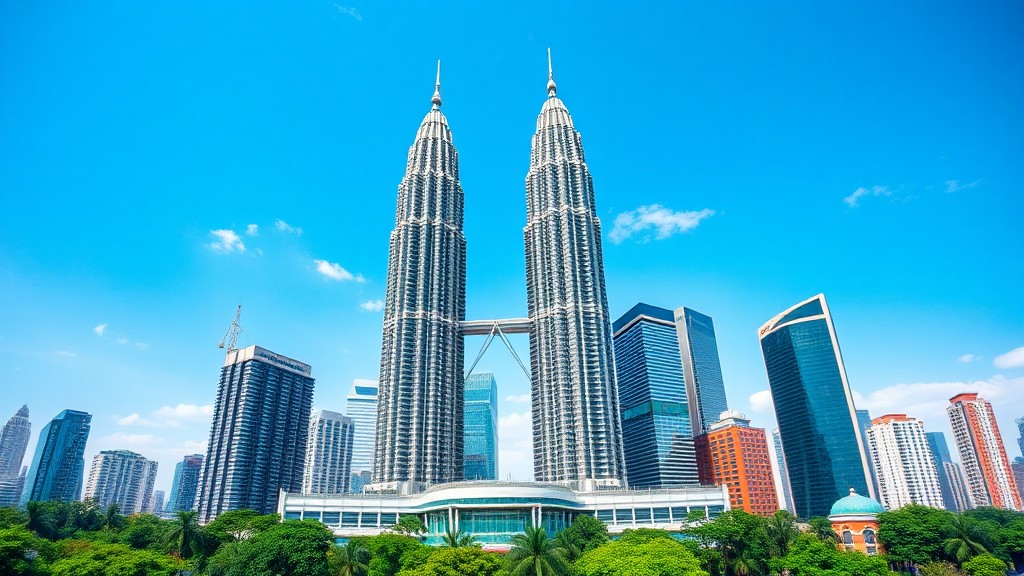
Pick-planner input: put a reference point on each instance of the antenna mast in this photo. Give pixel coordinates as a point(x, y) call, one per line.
point(231, 336)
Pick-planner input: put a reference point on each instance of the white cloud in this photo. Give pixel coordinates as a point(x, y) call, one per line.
point(100, 329)
point(122, 340)
point(252, 230)
point(226, 242)
point(852, 199)
point(515, 446)
point(372, 305)
point(953, 186)
point(170, 416)
point(656, 217)
point(967, 358)
point(287, 228)
point(349, 11)
point(1012, 359)
point(761, 402)
point(334, 271)
point(520, 399)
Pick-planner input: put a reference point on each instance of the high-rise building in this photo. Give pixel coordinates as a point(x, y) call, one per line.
point(982, 454)
point(961, 494)
point(13, 442)
point(656, 434)
point(734, 454)
point(814, 407)
point(577, 436)
point(158, 501)
point(361, 407)
point(1020, 435)
point(864, 422)
point(58, 464)
point(11, 489)
point(328, 454)
point(124, 478)
point(480, 452)
point(185, 484)
point(780, 459)
point(419, 423)
point(904, 462)
point(702, 369)
point(1017, 467)
point(258, 435)
point(940, 456)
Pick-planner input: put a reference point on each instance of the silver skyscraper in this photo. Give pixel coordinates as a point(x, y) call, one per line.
point(419, 418)
point(577, 433)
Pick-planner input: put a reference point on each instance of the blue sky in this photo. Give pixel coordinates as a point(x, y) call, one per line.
point(764, 154)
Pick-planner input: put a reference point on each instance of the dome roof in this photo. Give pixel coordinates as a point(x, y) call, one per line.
point(856, 505)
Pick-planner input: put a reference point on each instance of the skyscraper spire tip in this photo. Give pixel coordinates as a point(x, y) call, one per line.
point(551, 77)
point(436, 100)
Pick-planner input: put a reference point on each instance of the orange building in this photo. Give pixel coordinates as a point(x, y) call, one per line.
point(989, 478)
point(734, 454)
point(855, 520)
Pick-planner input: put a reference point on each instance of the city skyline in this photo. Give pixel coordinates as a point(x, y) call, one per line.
point(131, 321)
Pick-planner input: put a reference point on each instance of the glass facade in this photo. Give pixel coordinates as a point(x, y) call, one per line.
point(58, 466)
point(814, 408)
point(186, 480)
point(656, 434)
point(702, 369)
point(480, 444)
point(13, 442)
point(361, 407)
point(863, 423)
point(328, 467)
point(940, 454)
point(780, 459)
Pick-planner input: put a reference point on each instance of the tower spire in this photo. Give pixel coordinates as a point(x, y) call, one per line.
point(436, 100)
point(551, 77)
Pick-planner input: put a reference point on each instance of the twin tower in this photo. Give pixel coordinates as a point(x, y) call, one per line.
point(577, 436)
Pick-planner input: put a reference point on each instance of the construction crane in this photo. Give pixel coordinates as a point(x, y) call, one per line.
point(231, 336)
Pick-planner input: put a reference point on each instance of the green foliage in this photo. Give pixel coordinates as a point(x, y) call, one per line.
point(696, 515)
point(388, 552)
point(583, 535)
point(293, 548)
point(966, 538)
point(55, 520)
point(22, 552)
point(913, 534)
point(458, 561)
point(457, 539)
point(185, 534)
point(739, 541)
point(410, 525)
point(640, 553)
point(145, 531)
point(11, 517)
point(533, 553)
point(821, 527)
point(98, 559)
point(985, 565)
point(239, 524)
point(349, 560)
point(780, 532)
point(938, 569)
point(810, 556)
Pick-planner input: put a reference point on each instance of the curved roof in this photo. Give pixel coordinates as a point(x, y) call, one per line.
point(856, 505)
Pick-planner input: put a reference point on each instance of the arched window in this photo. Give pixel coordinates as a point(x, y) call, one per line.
point(871, 545)
point(848, 539)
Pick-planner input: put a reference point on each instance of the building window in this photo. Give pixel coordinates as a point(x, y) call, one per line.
point(848, 539)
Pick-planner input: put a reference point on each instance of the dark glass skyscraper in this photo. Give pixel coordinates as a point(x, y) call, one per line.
point(57, 468)
point(863, 423)
point(258, 435)
point(940, 454)
point(656, 433)
point(701, 368)
point(419, 417)
point(814, 407)
point(185, 484)
point(481, 427)
point(576, 429)
point(361, 407)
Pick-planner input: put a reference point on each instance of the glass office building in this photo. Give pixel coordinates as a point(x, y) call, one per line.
point(58, 466)
point(258, 434)
point(656, 433)
point(814, 407)
point(940, 455)
point(480, 445)
point(702, 368)
point(361, 407)
point(186, 480)
point(863, 423)
point(328, 468)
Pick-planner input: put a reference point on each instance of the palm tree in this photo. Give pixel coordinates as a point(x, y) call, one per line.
point(351, 560)
point(185, 533)
point(965, 539)
point(822, 528)
point(534, 554)
point(112, 519)
point(781, 530)
point(564, 541)
point(457, 539)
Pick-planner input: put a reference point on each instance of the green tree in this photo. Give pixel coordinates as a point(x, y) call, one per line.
point(239, 524)
point(913, 534)
point(458, 561)
point(390, 553)
point(349, 560)
point(810, 556)
point(145, 531)
point(584, 534)
point(22, 552)
point(533, 553)
point(739, 538)
point(457, 539)
point(780, 530)
point(185, 533)
point(293, 548)
point(640, 553)
point(985, 565)
point(112, 519)
point(100, 559)
point(938, 569)
point(821, 527)
point(10, 517)
point(409, 525)
point(965, 539)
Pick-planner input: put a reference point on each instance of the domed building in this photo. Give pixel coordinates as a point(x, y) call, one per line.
point(855, 520)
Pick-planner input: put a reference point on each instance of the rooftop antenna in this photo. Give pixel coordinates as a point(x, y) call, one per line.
point(231, 336)
point(436, 100)
point(551, 77)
